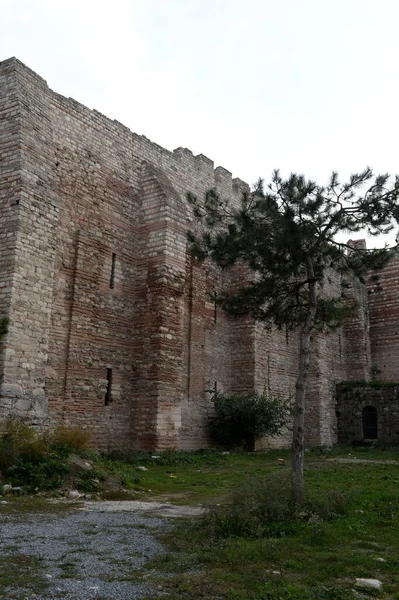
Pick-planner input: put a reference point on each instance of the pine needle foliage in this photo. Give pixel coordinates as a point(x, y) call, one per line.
point(279, 228)
point(287, 234)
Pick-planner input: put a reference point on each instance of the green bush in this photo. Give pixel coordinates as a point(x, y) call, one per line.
point(45, 473)
point(71, 438)
point(38, 461)
point(20, 442)
point(261, 507)
point(241, 419)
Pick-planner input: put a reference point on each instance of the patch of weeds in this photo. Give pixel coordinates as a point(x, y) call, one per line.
point(19, 507)
point(132, 578)
point(176, 562)
point(261, 507)
point(21, 571)
point(44, 473)
point(139, 526)
point(287, 591)
point(90, 531)
point(188, 586)
point(74, 439)
point(315, 533)
point(68, 570)
point(38, 461)
point(89, 481)
point(330, 505)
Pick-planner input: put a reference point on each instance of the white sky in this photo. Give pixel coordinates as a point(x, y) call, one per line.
point(301, 85)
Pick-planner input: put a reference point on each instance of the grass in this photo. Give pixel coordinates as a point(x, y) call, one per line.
point(315, 558)
point(312, 558)
point(22, 506)
point(193, 478)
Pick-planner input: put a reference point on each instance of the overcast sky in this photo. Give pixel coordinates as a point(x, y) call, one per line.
point(301, 85)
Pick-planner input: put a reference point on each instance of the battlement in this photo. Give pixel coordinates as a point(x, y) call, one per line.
point(202, 165)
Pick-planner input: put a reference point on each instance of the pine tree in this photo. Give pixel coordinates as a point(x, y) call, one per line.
point(286, 235)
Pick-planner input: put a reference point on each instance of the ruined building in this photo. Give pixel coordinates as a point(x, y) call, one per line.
point(112, 326)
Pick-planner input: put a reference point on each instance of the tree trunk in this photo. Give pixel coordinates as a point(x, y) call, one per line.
point(298, 433)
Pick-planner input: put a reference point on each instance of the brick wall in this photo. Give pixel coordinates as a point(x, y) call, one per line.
point(352, 400)
point(384, 321)
point(10, 197)
point(99, 284)
point(35, 208)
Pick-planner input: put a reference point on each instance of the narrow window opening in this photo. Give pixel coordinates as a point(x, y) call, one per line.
point(215, 388)
point(112, 277)
point(215, 307)
point(108, 393)
point(370, 423)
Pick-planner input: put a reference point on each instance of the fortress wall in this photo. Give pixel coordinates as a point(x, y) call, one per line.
point(10, 198)
point(384, 321)
point(98, 281)
point(90, 167)
point(33, 199)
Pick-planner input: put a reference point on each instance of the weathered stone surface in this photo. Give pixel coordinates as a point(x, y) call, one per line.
point(368, 584)
point(74, 495)
point(112, 325)
point(79, 464)
point(352, 400)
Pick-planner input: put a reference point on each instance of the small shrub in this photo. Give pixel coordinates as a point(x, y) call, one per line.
point(329, 506)
point(89, 482)
point(241, 419)
point(315, 532)
point(44, 473)
point(20, 442)
point(71, 438)
point(262, 507)
point(37, 461)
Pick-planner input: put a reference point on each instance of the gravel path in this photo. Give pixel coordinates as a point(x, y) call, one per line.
point(84, 554)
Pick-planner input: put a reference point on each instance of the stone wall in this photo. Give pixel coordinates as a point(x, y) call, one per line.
point(103, 294)
point(31, 214)
point(352, 399)
point(10, 197)
point(384, 321)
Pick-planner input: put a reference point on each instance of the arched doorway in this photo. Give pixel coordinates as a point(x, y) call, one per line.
point(370, 423)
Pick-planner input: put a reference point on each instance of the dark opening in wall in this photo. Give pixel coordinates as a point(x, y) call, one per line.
point(108, 393)
point(112, 276)
point(215, 306)
point(370, 423)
